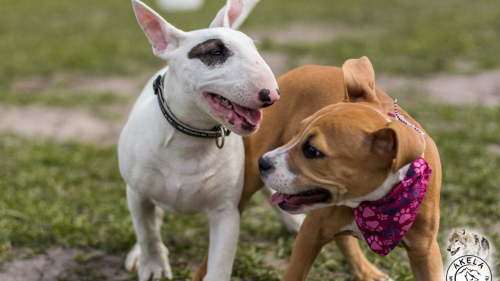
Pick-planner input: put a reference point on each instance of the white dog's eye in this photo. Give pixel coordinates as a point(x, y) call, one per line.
point(218, 53)
point(456, 240)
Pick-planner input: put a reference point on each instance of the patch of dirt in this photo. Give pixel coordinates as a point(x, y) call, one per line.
point(65, 264)
point(309, 33)
point(60, 124)
point(83, 125)
point(279, 264)
point(306, 60)
point(494, 148)
point(278, 62)
point(483, 88)
point(127, 86)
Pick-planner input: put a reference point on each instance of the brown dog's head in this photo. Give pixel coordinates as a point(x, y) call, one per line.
point(345, 153)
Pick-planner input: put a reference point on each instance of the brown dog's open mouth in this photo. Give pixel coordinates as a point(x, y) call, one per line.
point(232, 113)
point(292, 202)
point(454, 252)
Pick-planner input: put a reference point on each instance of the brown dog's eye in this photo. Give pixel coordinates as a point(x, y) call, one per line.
point(311, 152)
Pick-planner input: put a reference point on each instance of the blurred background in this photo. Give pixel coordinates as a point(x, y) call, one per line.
point(71, 70)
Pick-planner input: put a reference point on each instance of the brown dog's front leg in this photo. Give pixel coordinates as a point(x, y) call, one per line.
point(426, 263)
point(316, 231)
point(202, 269)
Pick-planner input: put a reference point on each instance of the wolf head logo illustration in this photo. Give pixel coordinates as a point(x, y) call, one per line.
point(468, 243)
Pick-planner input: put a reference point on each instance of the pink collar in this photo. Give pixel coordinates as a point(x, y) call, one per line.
point(385, 222)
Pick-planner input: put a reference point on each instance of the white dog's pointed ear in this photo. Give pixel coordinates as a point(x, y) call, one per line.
point(462, 231)
point(228, 14)
point(163, 36)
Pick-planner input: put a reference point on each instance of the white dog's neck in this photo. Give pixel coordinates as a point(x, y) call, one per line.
point(178, 96)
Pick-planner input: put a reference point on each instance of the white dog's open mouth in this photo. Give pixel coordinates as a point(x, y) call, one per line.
point(454, 252)
point(246, 118)
point(293, 202)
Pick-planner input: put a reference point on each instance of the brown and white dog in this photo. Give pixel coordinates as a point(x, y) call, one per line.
point(342, 155)
point(364, 156)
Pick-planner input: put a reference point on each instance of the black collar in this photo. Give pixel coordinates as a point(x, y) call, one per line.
point(215, 133)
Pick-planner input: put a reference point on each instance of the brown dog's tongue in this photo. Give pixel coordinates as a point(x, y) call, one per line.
point(277, 198)
point(253, 116)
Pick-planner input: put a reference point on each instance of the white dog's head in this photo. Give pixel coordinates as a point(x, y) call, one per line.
point(220, 68)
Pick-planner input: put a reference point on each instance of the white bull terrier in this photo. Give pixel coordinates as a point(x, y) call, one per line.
point(216, 81)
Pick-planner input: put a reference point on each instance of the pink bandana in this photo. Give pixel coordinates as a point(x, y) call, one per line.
point(385, 222)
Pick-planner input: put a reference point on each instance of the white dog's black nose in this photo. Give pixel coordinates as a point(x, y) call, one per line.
point(449, 250)
point(264, 165)
point(264, 95)
point(269, 97)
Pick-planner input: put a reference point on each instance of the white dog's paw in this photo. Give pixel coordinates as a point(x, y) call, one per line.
point(155, 269)
point(149, 269)
point(132, 260)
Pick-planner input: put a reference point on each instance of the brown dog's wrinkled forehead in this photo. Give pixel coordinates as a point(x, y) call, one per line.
point(347, 115)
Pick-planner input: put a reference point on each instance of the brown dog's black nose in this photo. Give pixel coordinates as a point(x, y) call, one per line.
point(264, 165)
point(264, 95)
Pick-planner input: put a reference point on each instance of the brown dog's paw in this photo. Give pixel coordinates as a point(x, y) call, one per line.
point(371, 273)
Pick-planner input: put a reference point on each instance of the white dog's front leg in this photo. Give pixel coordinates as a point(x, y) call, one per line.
point(153, 260)
point(224, 232)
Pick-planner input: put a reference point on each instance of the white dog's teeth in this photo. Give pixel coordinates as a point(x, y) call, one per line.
point(227, 102)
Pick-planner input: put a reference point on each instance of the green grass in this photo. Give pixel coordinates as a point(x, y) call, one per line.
point(72, 194)
point(63, 99)
point(411, 37)
point(104, 105)
point(103, 38)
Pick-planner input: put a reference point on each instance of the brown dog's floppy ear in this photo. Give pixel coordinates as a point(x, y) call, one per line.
point(400, 142)
point(359, 79)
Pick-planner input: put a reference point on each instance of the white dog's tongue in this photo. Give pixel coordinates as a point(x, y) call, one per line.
point(253, 116)
point(278, 198)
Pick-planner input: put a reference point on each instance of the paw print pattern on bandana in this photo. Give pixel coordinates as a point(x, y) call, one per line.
point(374, 242)
point(385, 222)
point(402, 216)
